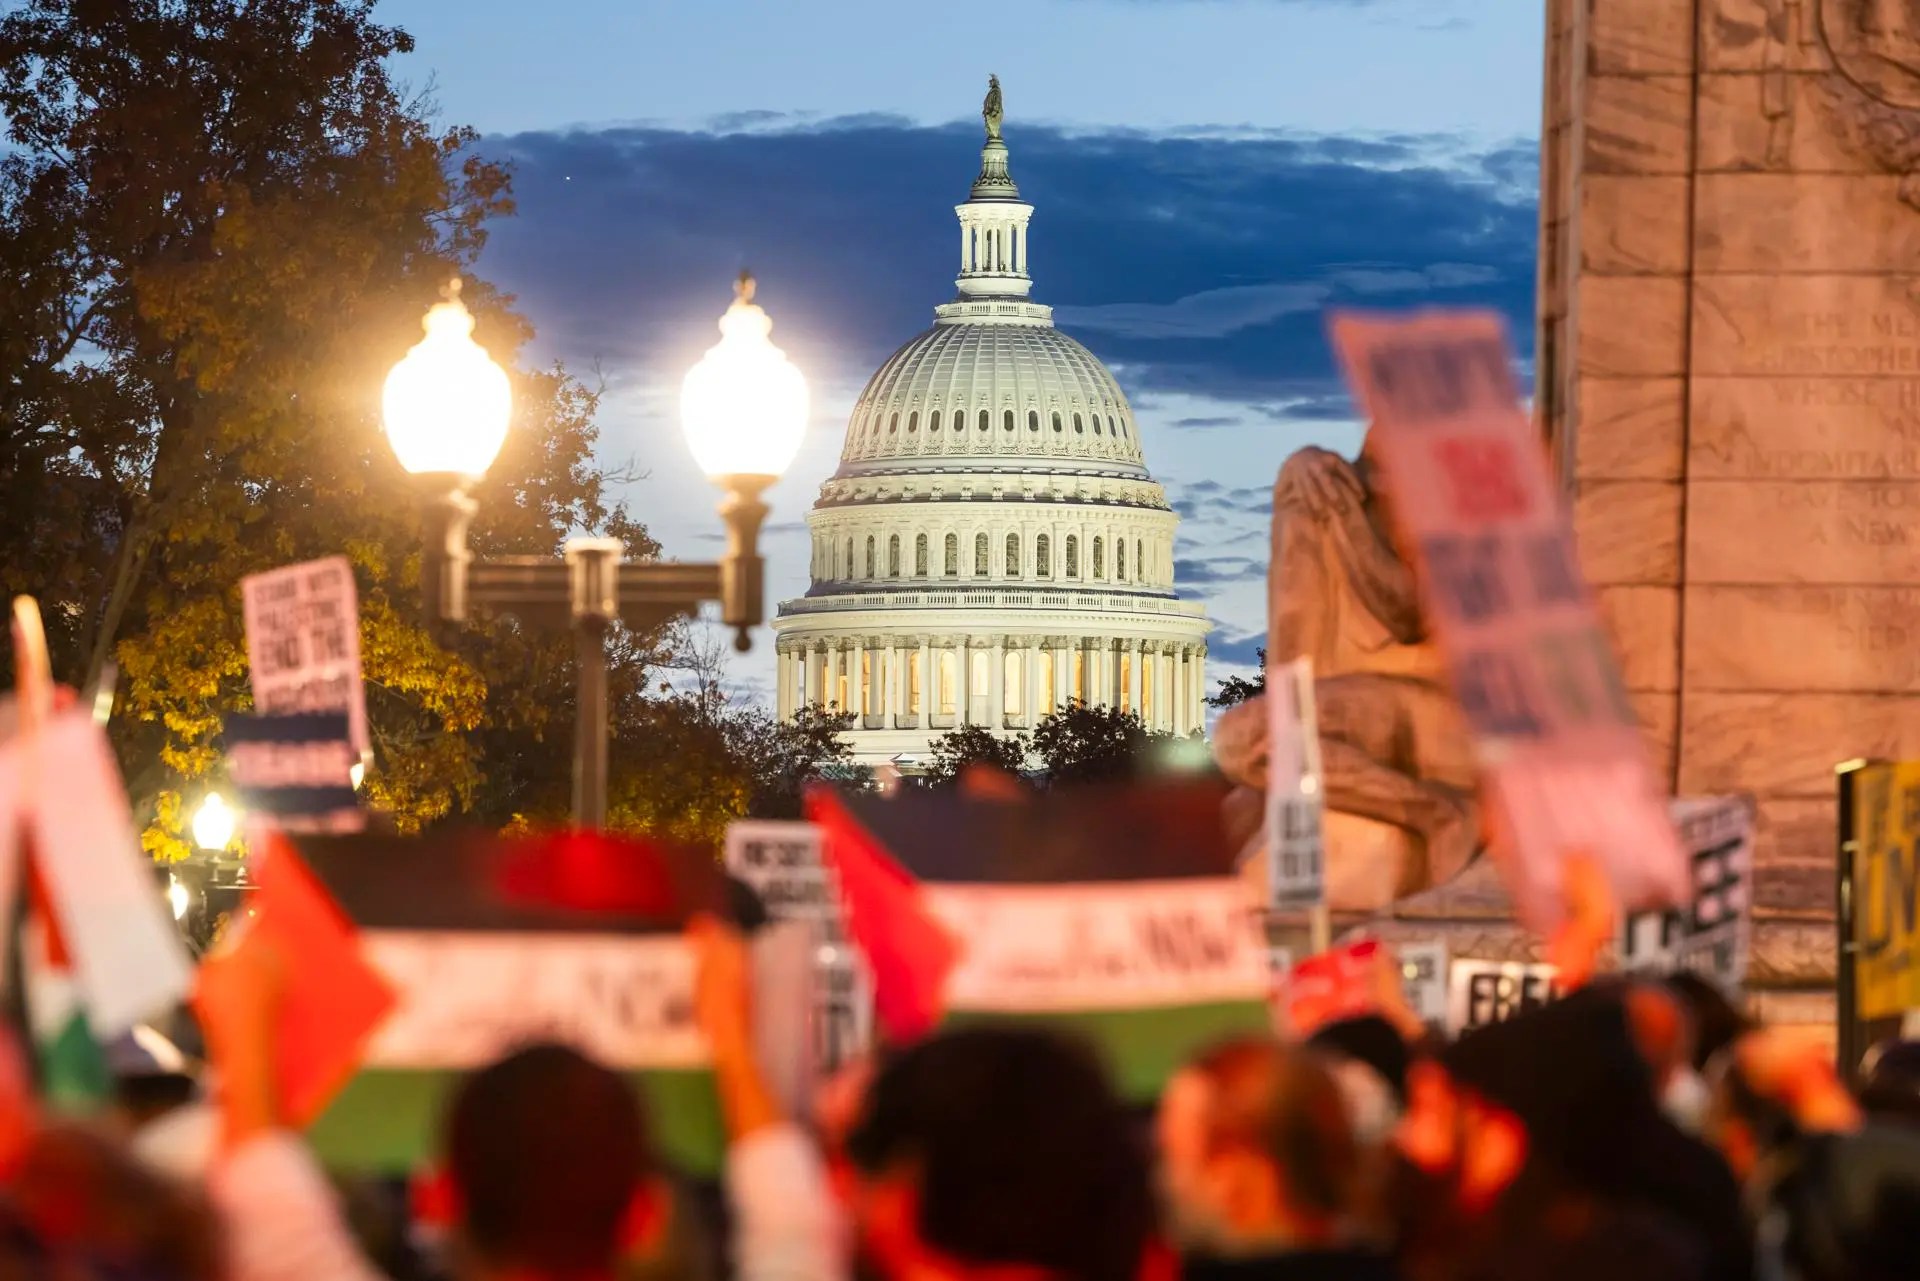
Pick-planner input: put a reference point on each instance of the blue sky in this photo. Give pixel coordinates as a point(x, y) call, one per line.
point(1207, 175)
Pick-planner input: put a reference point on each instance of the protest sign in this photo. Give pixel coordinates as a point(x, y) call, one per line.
point(1713, 936)
point(1535, 676)
point(295, 770)
point(1113, 910)
point(303, 642)
point(781, 861)
point(1423, 977)
point(1485, 992)
point(1296, 876)
point(1885, 809)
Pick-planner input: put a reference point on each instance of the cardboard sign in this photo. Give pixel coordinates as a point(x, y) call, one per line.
point(1713, 937)
point(1296, 875)
point(303, 642)
point(296, 770)
point(1486, 992)
point(1530, 663)
point(1886, 889)
point(1423, 977)
point(1331, 986)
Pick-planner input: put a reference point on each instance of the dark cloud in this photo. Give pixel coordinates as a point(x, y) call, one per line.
point(1194, 264)
point(1241, 650)
point(1202, 423)
point(1215, 570)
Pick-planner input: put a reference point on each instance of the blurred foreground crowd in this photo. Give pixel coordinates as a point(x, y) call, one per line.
point(1634, 1129)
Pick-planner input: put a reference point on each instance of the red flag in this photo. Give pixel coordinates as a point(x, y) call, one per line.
point(334, 1000)
point(910, 951)
point(591, 872)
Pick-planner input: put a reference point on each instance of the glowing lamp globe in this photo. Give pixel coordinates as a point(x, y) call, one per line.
point(213, 823)
point(446, 403)
point(744, 406)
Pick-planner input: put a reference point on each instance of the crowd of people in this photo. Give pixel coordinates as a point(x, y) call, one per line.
point(1636, 1128)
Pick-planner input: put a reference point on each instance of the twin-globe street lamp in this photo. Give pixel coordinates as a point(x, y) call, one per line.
point(744, 410)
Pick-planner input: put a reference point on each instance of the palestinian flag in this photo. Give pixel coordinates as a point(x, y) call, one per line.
point(70, 1064)
point(485, 944)
point(1114, 911)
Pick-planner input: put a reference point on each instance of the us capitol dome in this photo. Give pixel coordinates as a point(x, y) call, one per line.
point(992, 546)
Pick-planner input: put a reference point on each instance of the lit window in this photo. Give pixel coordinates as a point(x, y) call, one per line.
point(946, 682)
point(1015, 669)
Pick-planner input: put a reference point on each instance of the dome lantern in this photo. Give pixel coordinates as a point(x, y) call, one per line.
point(993, 221)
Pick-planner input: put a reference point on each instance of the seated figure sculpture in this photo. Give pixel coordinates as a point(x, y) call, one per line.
point(1395, 754)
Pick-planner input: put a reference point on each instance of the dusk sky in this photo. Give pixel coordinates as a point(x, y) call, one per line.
point(1207, 176)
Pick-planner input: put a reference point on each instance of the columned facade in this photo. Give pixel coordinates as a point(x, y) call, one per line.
point(992, 546)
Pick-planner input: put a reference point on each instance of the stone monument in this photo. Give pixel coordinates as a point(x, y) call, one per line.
point(1728, 371)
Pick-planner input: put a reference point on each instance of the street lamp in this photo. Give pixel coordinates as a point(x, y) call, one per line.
point(744, 409)
point(213, 823)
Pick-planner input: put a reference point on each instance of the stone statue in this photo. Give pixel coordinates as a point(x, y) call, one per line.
point(990, 110)
point(1399, 773)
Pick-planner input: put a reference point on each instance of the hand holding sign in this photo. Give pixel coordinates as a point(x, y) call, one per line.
point(1588, 925)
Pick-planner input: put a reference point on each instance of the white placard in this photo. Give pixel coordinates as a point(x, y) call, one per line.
point(782, 862)
point(1423, 977)
point(1296, 871)
point(1102, 945)
point(303, 642)
point(1712, 936)
point(1480, 993)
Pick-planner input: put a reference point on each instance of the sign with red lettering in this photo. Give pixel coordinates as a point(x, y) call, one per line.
point(1485, 526)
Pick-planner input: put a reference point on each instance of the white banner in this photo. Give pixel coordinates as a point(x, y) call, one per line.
point(1713, 936)
point(467, 997)
point(1296, 876)
point(1101, 945)
point(303, 642)
point(1486, 992)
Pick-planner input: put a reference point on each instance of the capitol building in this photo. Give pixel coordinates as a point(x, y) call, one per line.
point(992, 546)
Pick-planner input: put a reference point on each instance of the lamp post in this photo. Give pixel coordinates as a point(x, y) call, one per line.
point(744, 410)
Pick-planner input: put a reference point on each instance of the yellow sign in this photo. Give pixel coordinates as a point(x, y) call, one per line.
point(1886, 889)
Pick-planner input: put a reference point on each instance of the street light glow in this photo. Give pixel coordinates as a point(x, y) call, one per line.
point(744, 406)
point(446, 404)
point(179, 898)
point(213, 825)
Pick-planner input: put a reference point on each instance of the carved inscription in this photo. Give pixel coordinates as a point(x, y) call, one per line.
point(1844, 326)
point(1805, 429)
point(1883, 344)
point(1808, 532)
point(1804, 638)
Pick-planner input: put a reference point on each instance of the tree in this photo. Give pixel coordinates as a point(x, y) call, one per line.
point(1238, 689)
point(1082, 744)
point(956, 749)
point(219, 226)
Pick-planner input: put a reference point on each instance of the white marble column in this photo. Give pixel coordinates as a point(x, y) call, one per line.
point(928, 694)
point(1196, 665)
point(963, 681)
point(896, 682)
point(1030, 693)
point(997, 683)
point(1180, 686)
point(810, 692)
point(1136, 658)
